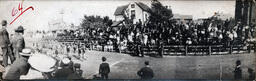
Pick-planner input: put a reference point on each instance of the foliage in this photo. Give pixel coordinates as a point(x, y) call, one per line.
point(94, 22)
point(159, 12)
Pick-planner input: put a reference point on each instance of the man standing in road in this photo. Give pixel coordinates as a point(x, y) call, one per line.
point(238, 70)
point(146, 72)
point(5, 44)
point(104, 69)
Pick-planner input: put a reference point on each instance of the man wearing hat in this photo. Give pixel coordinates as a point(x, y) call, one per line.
point(146, 72)
point(5, 44)
point(65, 72)
point(18, 42)
point(20, 66)
point(104, 69)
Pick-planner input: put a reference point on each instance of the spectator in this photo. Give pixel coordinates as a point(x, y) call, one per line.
point(104, 68)
point(146, 72)
point(238, 70)
point(65, 72)
point(5, 44)
point(20, 66)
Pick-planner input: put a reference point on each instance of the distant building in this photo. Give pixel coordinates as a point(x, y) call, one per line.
point(135, 11)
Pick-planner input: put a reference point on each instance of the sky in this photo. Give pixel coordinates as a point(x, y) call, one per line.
point(73, 11)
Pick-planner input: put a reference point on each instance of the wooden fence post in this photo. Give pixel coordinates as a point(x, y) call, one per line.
point(210, 50)
point(231, 49)
point(254, 47)
point(162, 47)
point(249, 48)
point(186, 50)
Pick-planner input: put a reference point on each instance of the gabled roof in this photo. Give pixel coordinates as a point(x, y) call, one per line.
point(143, 6)
point(120, 10)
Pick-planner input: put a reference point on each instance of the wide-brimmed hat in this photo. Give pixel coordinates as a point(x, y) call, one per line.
point(65, 60)
point(26, 52)
point(19, 29)
point(42, 62)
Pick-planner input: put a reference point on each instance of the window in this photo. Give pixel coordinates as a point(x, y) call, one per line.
point(132, 6)
point(132, 14)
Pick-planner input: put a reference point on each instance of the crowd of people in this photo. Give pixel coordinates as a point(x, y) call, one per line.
point(208, 32)
point(212, 31)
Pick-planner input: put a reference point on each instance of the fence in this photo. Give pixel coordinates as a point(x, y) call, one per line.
point(182, 50)
point(175, 50)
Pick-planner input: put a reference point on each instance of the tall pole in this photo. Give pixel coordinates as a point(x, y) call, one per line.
point(250, 13)
point(245, 16)
point(238, 10)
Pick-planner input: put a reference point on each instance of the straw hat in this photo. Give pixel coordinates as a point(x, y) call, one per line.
point(65, 61)
point(26, 52)
point(42, 62)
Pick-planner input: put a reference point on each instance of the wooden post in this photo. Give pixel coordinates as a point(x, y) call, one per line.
point(186, 50)
point(162, 50)
point(210, 50)
point(249, 48)
point(175, 49)
point(254, 47)
point(231, 49)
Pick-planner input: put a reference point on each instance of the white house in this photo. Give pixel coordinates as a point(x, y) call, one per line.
point(135, 10)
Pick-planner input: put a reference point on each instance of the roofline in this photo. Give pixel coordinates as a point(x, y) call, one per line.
point(142, 8)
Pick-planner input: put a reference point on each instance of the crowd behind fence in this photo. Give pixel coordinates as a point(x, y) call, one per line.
point(207, 37)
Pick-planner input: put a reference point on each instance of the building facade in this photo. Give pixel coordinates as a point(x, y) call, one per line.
point(136, 11)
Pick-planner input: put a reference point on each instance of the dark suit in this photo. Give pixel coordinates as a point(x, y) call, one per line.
point(63, 73)
point(104, 70)
point(146, 73)
point(4, 38)
point(18, 68)
point(4, 45)
point(238, 73)
point(66, 73)
point(18, 44)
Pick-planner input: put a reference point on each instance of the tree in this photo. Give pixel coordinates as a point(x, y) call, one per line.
point(159, 13)
point(108, 22)
point(95, 22)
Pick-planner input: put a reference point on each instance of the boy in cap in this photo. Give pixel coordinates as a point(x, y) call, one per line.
point(20, 66)
point(104, 69)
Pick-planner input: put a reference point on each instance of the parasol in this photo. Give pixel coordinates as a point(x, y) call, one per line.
point(42, 62)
